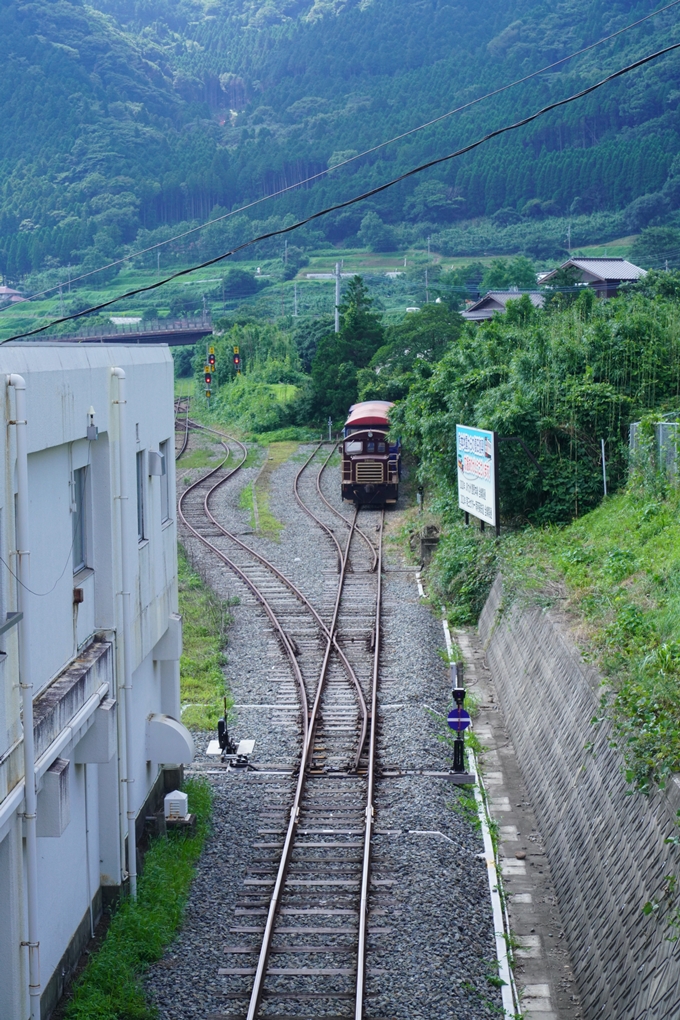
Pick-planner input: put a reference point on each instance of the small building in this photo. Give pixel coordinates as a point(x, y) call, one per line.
point(495, 302)
point(89, 644)
point(604, 275)
point(8, 294)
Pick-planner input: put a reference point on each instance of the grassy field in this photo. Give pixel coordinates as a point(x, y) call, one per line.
point(618, 248)
point(110, 987)
point(205, 622)
point(314, 296)
point(255, 497)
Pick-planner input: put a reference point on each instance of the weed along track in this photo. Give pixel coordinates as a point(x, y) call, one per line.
point(336, 904)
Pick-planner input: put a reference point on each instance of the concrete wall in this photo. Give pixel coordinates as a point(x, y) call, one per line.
point(605, 846)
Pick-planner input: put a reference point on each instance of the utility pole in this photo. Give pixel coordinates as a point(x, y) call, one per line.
point(330, 422)
point(427, 290)
point(337, 297)
point(569, 237)
point(428, 246)
point(295, 311)
point(61, 301)
point(158, 265)
point(285, 252)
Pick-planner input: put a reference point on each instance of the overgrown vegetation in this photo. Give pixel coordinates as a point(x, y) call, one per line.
point(617, 570)
point(110, 987)
point(128, 122)
point(205, 622)
point(561, 380)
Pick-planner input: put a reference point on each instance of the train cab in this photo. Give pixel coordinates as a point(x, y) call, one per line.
point(371, 466)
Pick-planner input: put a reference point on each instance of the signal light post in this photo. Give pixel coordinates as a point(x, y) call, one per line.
point(208, 373)
point(237, 361)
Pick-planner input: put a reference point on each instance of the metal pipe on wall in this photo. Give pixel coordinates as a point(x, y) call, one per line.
point(125, 547)
point(26, 685)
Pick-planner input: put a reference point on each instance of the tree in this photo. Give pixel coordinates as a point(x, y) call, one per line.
point(503, 274)
point(307, 334)
point(239, 283)
point(412, 348)
point(340, 355)
point(655, 246)
point(376, 234)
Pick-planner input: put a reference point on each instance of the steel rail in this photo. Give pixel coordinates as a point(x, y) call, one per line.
point(337, 513)
point(310, 513)
point(311, 718)
point(366, 865)
point(289, 584)
point(274, 903)
point(308, 605)
point(285, 640)
point(185, 441)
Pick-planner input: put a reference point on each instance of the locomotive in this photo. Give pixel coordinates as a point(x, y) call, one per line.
point(371, 466)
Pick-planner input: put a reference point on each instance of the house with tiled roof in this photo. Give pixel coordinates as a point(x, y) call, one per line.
point(495, 302)
point(604, 275)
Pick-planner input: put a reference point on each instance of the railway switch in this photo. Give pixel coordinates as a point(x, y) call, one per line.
point(227, 745)
point(459, 720)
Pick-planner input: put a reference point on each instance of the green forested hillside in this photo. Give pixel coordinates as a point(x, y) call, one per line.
point(135, 116)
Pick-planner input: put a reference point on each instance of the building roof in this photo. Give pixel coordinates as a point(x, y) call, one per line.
point(369, 412)
point(496, 301)
point(605, 270)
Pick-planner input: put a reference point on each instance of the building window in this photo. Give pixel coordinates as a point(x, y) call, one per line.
point(140, 496)
point(78, 520)
point(165, 485)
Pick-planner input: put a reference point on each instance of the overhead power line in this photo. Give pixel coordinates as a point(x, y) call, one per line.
point(357, 198)
point(352, 159)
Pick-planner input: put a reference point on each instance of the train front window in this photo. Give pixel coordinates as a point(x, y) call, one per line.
point(381, 447)
point(370, 447)
point(355, 446)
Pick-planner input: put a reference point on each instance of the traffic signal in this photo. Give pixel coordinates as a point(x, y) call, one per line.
point(237, 361)
point(207, 375)
point(211, 360)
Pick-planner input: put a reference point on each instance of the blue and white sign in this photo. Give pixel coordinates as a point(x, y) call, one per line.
point(475, 456)
point(459, 719)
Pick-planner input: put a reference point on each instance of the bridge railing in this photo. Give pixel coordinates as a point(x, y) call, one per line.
point(143, 328)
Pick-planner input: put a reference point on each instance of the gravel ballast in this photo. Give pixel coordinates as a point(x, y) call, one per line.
point(438, 957)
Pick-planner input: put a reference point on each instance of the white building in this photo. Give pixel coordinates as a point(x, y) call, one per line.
point(98, 742)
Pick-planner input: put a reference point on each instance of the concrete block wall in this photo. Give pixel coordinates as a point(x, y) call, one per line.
point(605, 846)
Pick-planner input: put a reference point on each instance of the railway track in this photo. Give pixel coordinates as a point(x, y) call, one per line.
point(181, 428)
point(314, 864)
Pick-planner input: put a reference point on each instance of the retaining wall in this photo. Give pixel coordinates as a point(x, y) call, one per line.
point(605, 846)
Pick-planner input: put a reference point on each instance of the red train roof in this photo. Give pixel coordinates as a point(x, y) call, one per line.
point(369, 412)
